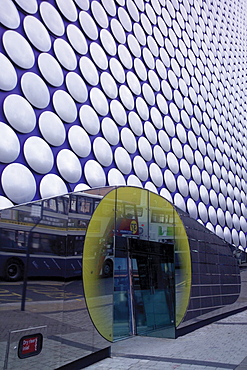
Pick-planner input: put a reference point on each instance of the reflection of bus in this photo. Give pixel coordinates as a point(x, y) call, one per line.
point(141, 223)
point(126, 225)
point(53, 242)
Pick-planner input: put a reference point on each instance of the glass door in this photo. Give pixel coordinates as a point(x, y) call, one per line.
point(143, 288)
point(152, 276)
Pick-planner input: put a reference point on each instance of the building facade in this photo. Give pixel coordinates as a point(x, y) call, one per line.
point(82, 270)
point(150, 94)
point(146, 95)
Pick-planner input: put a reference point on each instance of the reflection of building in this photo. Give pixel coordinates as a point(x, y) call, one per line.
point(125, 92)
point(147, 269)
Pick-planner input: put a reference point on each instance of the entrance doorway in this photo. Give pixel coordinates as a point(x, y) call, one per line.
point(144, 288)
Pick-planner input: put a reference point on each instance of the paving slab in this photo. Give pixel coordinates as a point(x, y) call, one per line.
point(217, 346)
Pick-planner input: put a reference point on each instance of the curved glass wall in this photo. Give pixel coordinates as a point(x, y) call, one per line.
point(41, 246)
point(134, 251)
point(136, 265)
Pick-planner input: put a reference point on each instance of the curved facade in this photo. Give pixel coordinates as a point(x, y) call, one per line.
point(149, 269)
point(82, 270)
point(138, 226)
point(150, 94)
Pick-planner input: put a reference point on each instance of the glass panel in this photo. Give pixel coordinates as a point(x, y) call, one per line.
point(33, 252)
point(13, 348)
point(144, 291)
point(126, 216)
point(32, 244)
point(161, 217)
point(153, 285)
point(41, 246)
point(167, 227)
point(98, 265)
point(131, 213)
point(121, 318)
point(131, 222)
point(182, 268)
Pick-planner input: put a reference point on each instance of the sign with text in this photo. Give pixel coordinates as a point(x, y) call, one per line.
point(30, 345)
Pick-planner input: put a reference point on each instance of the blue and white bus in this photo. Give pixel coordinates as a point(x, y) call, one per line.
point(51, 244)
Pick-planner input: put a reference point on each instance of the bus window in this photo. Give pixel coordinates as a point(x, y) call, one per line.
point(84, 205)
point(129, 211)
point(21, 239)
point(75, 245)
point(60, 205)
point(72, 204)
point(48, 244)
point(46, 204)
point(50, 204)
point(139, 211)
point(57, 244)
point(96, 202)
point(158, 217)
point(7, 239)
point(35, 242)
point(66, 205)
point(53, 205)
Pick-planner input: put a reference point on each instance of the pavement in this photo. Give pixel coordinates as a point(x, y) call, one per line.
point(69, 334)
point(217, 346)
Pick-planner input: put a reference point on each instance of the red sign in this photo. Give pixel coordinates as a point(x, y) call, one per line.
point(127, 226)
point(30, 345)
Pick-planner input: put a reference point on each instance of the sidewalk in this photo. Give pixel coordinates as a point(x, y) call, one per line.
point(218, 346)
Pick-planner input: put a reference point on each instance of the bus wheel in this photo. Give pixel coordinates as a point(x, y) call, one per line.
point(107, 269)
point(13, 270)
